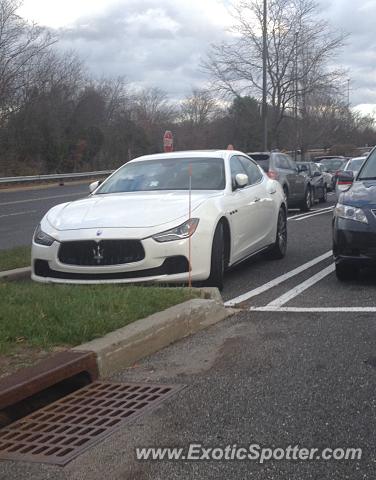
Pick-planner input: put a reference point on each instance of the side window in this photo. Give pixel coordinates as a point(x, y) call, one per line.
point(292, 164)
point(236, 167)
point(253, 172)
point(283, 163)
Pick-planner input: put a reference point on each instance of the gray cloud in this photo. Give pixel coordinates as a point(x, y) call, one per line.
point(152, 43)
point(357, 18)
point(161, 43)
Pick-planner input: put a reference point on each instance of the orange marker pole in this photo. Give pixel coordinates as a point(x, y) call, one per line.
point(190, 236)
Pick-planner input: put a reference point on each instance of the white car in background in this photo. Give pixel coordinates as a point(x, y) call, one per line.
point(328, 177)
point(136, 227)
point(352, 165)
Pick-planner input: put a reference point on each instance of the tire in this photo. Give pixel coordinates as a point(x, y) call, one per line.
point(324, 197)
point(345, 272)
point(286, 193)
point(279, 248)
point(307, 202)
point(217, 264)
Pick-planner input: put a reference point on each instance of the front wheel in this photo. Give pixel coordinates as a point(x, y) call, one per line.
point(307, 202)
point(279, 248)
point(324, 196)
point(217, 265)
point(345, 272)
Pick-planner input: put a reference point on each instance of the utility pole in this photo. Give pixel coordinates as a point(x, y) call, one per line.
point(296, 98)
point(264, 78)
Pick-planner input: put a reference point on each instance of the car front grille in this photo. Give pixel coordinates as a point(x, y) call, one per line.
point(89, 253)
point(171, 266)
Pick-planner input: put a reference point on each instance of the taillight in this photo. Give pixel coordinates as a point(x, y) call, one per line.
point(272, 174)
point(344, 183)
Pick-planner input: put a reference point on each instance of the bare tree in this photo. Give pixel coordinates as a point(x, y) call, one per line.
point(198, 108)
point(21, 46)
point(300, 46)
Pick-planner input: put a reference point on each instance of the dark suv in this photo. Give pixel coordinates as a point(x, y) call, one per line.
point(281, 167)
point(354, 223)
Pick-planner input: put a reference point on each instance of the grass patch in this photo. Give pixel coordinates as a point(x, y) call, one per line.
point(45, 316)
point(14, 258)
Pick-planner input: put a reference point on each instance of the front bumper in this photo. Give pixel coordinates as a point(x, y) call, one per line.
point(354, 242)
point(163, 263)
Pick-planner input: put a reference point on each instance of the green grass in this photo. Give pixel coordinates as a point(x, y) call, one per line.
point(14, 258)
point(49, 315)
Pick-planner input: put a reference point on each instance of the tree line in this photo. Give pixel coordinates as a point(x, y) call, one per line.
point(55, 117)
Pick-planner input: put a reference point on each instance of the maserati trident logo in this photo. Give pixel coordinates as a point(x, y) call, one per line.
point(98, 254)
point(99, 233)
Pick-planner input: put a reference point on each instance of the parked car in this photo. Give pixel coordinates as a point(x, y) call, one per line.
point(281, 167)
point(135, 227)
point(333, 165)
point(328, 177)
point(353, 165)
point(315, 180)
point(354, 223)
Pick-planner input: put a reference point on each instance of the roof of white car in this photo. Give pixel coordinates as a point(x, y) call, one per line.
point(190, 154)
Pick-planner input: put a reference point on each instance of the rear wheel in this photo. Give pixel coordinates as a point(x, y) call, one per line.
point(324, 196)
point(345, 272)
point(307, 202)
point(217, 265)
point(279, 248)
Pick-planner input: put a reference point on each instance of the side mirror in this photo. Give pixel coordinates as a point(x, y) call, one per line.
point(94, 185)
point(241, 180)
point(316, 174)
point(345, 178)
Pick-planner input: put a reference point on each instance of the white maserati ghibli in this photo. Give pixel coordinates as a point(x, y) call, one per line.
point(164, 218)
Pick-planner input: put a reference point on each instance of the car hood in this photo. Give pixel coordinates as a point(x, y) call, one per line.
point(361, 194)
point(125, 210)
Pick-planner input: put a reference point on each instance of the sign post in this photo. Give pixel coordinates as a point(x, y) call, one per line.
point(168, 141)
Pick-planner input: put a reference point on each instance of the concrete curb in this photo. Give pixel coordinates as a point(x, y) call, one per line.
point(16, 274)
point(125, 346)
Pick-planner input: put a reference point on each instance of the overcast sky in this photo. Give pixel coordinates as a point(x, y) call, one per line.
point(160, 42)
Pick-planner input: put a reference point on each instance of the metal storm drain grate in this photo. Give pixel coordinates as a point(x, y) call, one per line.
point(64, 429)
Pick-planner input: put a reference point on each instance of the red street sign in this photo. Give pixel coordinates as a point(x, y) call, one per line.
point(168, 141)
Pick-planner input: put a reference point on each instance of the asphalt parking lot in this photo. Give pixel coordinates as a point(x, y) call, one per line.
point(295, 366)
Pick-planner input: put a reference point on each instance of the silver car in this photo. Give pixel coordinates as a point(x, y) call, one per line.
point(353, 165)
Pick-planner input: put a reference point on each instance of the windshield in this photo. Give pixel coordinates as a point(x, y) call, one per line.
point(355, 165)
point(332, 164)
point(368, 170)
point(167, 174)
point(262, 159)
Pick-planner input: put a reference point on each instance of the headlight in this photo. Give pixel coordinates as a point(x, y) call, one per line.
point(42, 238)
point(182, 231)
point(350, 213)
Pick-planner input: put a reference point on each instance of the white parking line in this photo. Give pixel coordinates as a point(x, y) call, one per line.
point(294, 292)
point(277, 280)
point(41, 198)
point(315, 214)
point(18, 213)
point(313, 309)
point(315, 211)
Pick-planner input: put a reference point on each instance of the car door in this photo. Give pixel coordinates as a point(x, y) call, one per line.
point(317, 180)
point(262, 222)
point(296, 178)
point(241, 209)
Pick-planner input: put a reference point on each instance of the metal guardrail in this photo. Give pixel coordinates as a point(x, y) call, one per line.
point(54, 176)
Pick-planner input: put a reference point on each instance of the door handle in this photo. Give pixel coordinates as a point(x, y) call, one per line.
point(257, 199)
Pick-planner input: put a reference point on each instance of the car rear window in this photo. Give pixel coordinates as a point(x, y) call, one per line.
point(333, 164)
point(262, 159)
point(355, 164)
